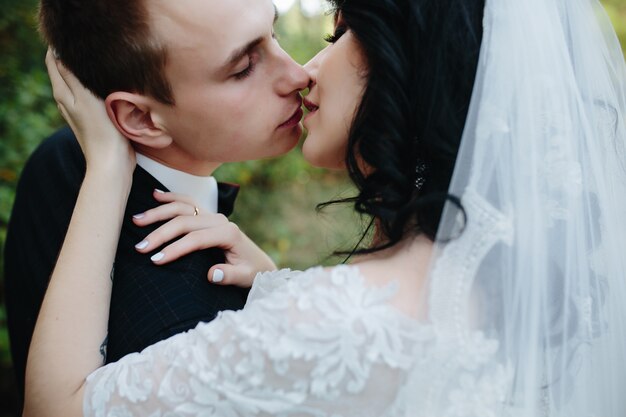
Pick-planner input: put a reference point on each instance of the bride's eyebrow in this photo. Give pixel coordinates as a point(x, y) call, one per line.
point(336, 17)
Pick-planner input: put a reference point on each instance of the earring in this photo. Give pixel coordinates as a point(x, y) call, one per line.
point(420, 169)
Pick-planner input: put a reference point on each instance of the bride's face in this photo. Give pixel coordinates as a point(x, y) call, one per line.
point(338, 75)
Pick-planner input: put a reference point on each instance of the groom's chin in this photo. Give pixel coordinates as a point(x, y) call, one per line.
point(286, 142)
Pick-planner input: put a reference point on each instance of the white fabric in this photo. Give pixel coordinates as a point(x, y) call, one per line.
point(536, 265)
point(203, 190)
point(311, 343)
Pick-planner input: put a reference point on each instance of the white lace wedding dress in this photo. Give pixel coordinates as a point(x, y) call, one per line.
point(313, 343)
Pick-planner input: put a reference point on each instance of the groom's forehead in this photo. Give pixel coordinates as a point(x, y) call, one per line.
point(218, 16)
point(188, 24)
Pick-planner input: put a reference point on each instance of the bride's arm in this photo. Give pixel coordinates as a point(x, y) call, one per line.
point(72, 322)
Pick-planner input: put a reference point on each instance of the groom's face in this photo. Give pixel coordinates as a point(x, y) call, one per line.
point(236, 91)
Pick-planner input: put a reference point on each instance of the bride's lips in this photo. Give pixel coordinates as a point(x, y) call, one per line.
point(294, 119)
point(311, 107)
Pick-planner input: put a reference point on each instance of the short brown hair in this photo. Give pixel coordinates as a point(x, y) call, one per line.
point(108, 45)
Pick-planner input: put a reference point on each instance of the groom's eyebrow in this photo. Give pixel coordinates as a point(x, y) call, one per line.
point(242, 52)
point(238, 54)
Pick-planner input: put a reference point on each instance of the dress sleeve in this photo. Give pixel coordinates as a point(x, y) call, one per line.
point(310, 347)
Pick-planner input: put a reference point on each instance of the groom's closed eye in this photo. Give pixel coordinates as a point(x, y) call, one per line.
point(249, 51)
point(249, 65)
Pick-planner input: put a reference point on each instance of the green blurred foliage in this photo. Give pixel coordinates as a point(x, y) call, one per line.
point(27, 112)
point(27, 115)
point(616, 9)
point(277, 203)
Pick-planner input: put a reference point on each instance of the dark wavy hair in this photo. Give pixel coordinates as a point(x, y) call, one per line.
point(422, 57)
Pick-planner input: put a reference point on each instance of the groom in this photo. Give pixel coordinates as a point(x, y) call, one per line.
point(191, 84)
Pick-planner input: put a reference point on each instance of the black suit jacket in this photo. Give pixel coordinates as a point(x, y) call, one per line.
point(148, 302)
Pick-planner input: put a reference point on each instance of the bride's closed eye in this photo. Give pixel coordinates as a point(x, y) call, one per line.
point(340, 29)
point(334, 37)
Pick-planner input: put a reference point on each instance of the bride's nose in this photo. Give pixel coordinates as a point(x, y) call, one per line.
point(312, 67)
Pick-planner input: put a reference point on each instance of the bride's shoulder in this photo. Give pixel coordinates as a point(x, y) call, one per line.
point(339, 277)
point(343, 286)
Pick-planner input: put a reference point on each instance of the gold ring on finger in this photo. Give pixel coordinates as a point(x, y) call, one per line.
point(196, 210)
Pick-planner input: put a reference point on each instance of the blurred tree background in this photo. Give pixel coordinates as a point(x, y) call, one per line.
point(276, 206)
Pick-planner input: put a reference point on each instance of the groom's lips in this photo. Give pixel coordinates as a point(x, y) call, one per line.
point(294, 119)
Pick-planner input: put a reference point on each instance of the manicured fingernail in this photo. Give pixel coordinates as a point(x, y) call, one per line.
point(55, 54)
point(159, 191)
point(139, 216)
point(142, 245)
point(157, 257)
point(218, 275)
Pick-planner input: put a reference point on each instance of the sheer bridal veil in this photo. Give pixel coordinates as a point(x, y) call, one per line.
point(527, 291)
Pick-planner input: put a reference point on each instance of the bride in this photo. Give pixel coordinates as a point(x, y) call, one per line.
point(487, 143)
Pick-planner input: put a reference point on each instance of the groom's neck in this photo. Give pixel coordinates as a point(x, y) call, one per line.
point(176, 159)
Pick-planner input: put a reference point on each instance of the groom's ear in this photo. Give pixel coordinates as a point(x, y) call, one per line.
point(134, 117)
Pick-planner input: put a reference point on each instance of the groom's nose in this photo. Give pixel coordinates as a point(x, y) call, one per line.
point(293, 78)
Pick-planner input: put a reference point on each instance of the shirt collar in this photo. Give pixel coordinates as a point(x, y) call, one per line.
point(203, 190)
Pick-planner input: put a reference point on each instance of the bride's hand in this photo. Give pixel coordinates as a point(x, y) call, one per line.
point(103, 146)
point(244, 259)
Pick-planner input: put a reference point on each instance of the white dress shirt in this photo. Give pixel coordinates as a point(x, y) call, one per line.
point(203, 190)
